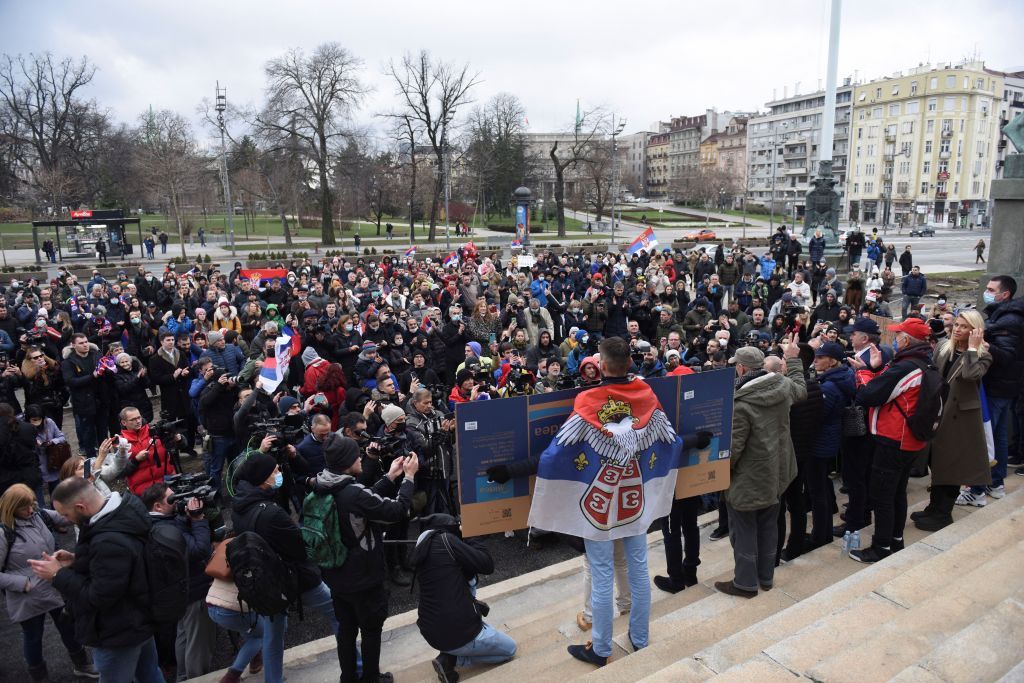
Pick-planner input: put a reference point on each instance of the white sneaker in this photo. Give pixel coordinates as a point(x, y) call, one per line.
point(966, 497)
point(996, 492)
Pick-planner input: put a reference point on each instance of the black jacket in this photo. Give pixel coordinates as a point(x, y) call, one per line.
point(276, 528)
point(105, 589)
point(78, 378)
point(805, 420)
point(217, 406)
point(363, 513)
point(196, 533)
point(445, 563)
point(173, 391)
point(18, 461)
point(1004, 331)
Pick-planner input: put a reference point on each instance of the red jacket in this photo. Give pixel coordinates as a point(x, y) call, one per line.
point(887, 392)
point(147, 472)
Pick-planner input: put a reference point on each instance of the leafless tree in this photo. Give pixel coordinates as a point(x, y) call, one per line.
point(576, 148)
point(166, 159)
point(599, 170)
point(310, 99)
point(432, 93)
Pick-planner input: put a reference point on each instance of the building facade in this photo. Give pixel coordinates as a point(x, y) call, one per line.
point(924, 146)
point(632, 152)
point(782, 152)
point(657, 166)
point(732, 158)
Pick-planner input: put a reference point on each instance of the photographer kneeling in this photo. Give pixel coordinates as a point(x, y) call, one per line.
point(449, 615)
point(357, 586)
point(148, 460)
point(190, 642)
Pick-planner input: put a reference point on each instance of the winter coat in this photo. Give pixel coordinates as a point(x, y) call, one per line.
point(816, 249)
point(230, 358)
point(805, 420)
point(1004, 331)
point(445, 563)
point(173, 390)
point(105, 588)
point(130, 390)
point(363, 513)
point(19, 463)
point(958, 452)
point(196, 533)
point(837, 391)
point(892, 393)
point(229, 322)
point(914, 285)
point(762, 463)
point(150, 470)
point(32, 538)
point(273, 525)
point(78, 378)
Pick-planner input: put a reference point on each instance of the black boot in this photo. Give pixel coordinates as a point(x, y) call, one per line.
point(689, 575)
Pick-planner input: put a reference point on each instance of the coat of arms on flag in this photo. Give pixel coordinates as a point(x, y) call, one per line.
point(610, 470)
point(645, 240)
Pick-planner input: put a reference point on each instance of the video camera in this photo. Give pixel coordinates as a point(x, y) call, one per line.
point(282, 434)
point(188, 486)
point(391, 446)
point(167, 429)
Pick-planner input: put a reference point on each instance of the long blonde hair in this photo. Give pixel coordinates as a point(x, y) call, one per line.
point(15, 498)
point(972, 318)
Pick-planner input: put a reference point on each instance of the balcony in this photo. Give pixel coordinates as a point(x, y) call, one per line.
point(944, 154)
point(794, 154)
point(888, 157)
point(941, 195)
point(947, 132)
point(890, 137)
point(943, 175)
point(797, 170)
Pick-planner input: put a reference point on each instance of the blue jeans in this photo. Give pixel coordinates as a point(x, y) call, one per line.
point(248, 625)
point(126, 664)
point(1000, 412)
point(489, 647)
point(85, 429)
point(600, 555)
point(319, 600)
point(222, 448)
point(273, 647)
point(32, 635)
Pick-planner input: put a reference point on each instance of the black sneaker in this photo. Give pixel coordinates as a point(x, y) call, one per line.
point(718, 534)
point(444, 666)
point(839, 531)
point(870, 554)
point(585, 653)
point(729, 588)
point(668, 584)
point(897, 545)
point(933, 522)
point(1019, 471)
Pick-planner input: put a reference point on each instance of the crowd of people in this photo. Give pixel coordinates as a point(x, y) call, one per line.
point(359, 419)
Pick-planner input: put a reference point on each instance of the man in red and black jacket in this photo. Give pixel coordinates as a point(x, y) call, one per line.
point(891, 396)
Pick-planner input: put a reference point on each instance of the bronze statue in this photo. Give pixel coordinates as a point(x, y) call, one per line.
point(1015, 131)
point(822, 206)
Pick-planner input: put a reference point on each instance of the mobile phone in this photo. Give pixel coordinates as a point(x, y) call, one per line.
point(88, 468)
point(491, 338)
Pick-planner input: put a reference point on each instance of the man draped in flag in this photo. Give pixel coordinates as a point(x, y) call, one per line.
point(607, 475)
point(643, 241)
point(275, 365)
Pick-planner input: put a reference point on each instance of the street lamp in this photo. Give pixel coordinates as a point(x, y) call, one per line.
point(616, 130)
point(221, 106)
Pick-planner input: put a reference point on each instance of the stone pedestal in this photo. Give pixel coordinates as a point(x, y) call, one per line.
point(1006, 245)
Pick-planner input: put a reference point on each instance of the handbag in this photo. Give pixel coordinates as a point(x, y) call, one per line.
point(217, 567)
point(56, 455)
point(854, 421)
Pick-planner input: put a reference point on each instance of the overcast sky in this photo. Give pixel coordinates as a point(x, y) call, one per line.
point(646, 61)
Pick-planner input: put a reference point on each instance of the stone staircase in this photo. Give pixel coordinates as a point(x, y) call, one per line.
point(950, 607)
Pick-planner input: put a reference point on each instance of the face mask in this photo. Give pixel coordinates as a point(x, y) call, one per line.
point(895, 347)
point(456, 318)
point(114, 300)
point(399, 427)
point(348, 328)
point(278, 480)
point(989, 297)
point(584, 340)
point(136, 321)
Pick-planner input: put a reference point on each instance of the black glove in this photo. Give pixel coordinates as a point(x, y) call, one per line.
point(703, 439)
point(498, 473)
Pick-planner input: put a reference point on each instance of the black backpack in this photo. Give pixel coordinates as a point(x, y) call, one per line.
point(265, 582)
point(167, 572)
point(931, 401)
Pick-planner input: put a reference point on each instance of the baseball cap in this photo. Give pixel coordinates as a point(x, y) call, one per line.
point(830, 349)
point(915, 327)
point(866, 325)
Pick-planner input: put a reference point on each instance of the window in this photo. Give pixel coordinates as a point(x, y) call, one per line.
point(933, 83)
point(908, 127)
point(926, 169)
point(871, 150)
point(869, 169)
point(956, 189)
point(927, 146)
point(861, 97)
point(962, 122)
point(950, 81)
point(933, 103)
point(860, 133)
point(913, 87)
point(894, 109)
point(856, 188)
point(924, 187)
point(959, 166)
point(878, 93)
point(869, 188)
point(860, 115)
point(856, 169)
point(895, 90)
point(858, 152)
point(904, 168)
point(967, 82)
point(903, 188)
point(948, 104)
point(872, 132)
point(929, 126)
point(975, 187)
point(914, 107)
point(980, 84)
point(977, 168)
point(876, 112)
point(947, 125)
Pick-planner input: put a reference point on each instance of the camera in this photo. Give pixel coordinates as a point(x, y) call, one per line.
point(188, 486)
point(282, 434)
point(391, 446)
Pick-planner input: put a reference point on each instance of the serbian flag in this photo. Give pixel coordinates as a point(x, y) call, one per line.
point(295, 341)
point(517, 243)
point(610, 471)
point(451, 260)
point(645, 240)
point(263, 275)
point(410, 252)
point(986, 424)
point(274, 368)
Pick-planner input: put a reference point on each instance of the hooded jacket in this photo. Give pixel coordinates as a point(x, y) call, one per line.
point(445, 563)
point(892, 393)
point(837, 391)
point(150, 470)
point(363, 512)
point(1004, 331)
point(105, 588)
point(762, 463)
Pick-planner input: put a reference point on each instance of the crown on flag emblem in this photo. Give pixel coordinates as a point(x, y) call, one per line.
point(615, 411)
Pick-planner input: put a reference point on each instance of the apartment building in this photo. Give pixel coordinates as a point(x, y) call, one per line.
point(732, 157)
point(923, 145)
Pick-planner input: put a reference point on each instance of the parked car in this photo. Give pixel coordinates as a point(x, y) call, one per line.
point(700, 236)
point(922, 231)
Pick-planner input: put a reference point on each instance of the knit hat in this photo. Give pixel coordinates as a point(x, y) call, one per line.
point(750, 357)
point(369, 346)
point(286, 403)
point(391, 413)
point(309, 355)
point(223, 301)
point(257, 468)
point(475, 346)
point(672, 352)
point(340, 452)
point(580, 334)
point(213, 337)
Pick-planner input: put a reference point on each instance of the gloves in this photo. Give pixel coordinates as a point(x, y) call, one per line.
point(498, 474)
point(703, 439)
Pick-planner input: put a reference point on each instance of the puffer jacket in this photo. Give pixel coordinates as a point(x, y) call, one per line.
point(762, 463)
point(150, 470)
point(837, 390)
point(105, 588)
point(892, 393)
point(1004, 331)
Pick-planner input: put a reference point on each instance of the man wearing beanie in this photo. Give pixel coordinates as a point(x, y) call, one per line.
point(223, 355)
point(360, 598)
point(253, 509)
point(761, 466)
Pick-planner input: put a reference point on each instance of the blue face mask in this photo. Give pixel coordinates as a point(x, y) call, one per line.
point(278, 480)
point(988, 297)
point(895, 347)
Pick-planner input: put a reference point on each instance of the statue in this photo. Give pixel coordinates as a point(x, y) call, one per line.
point(822, 206)
point(1015, 131)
